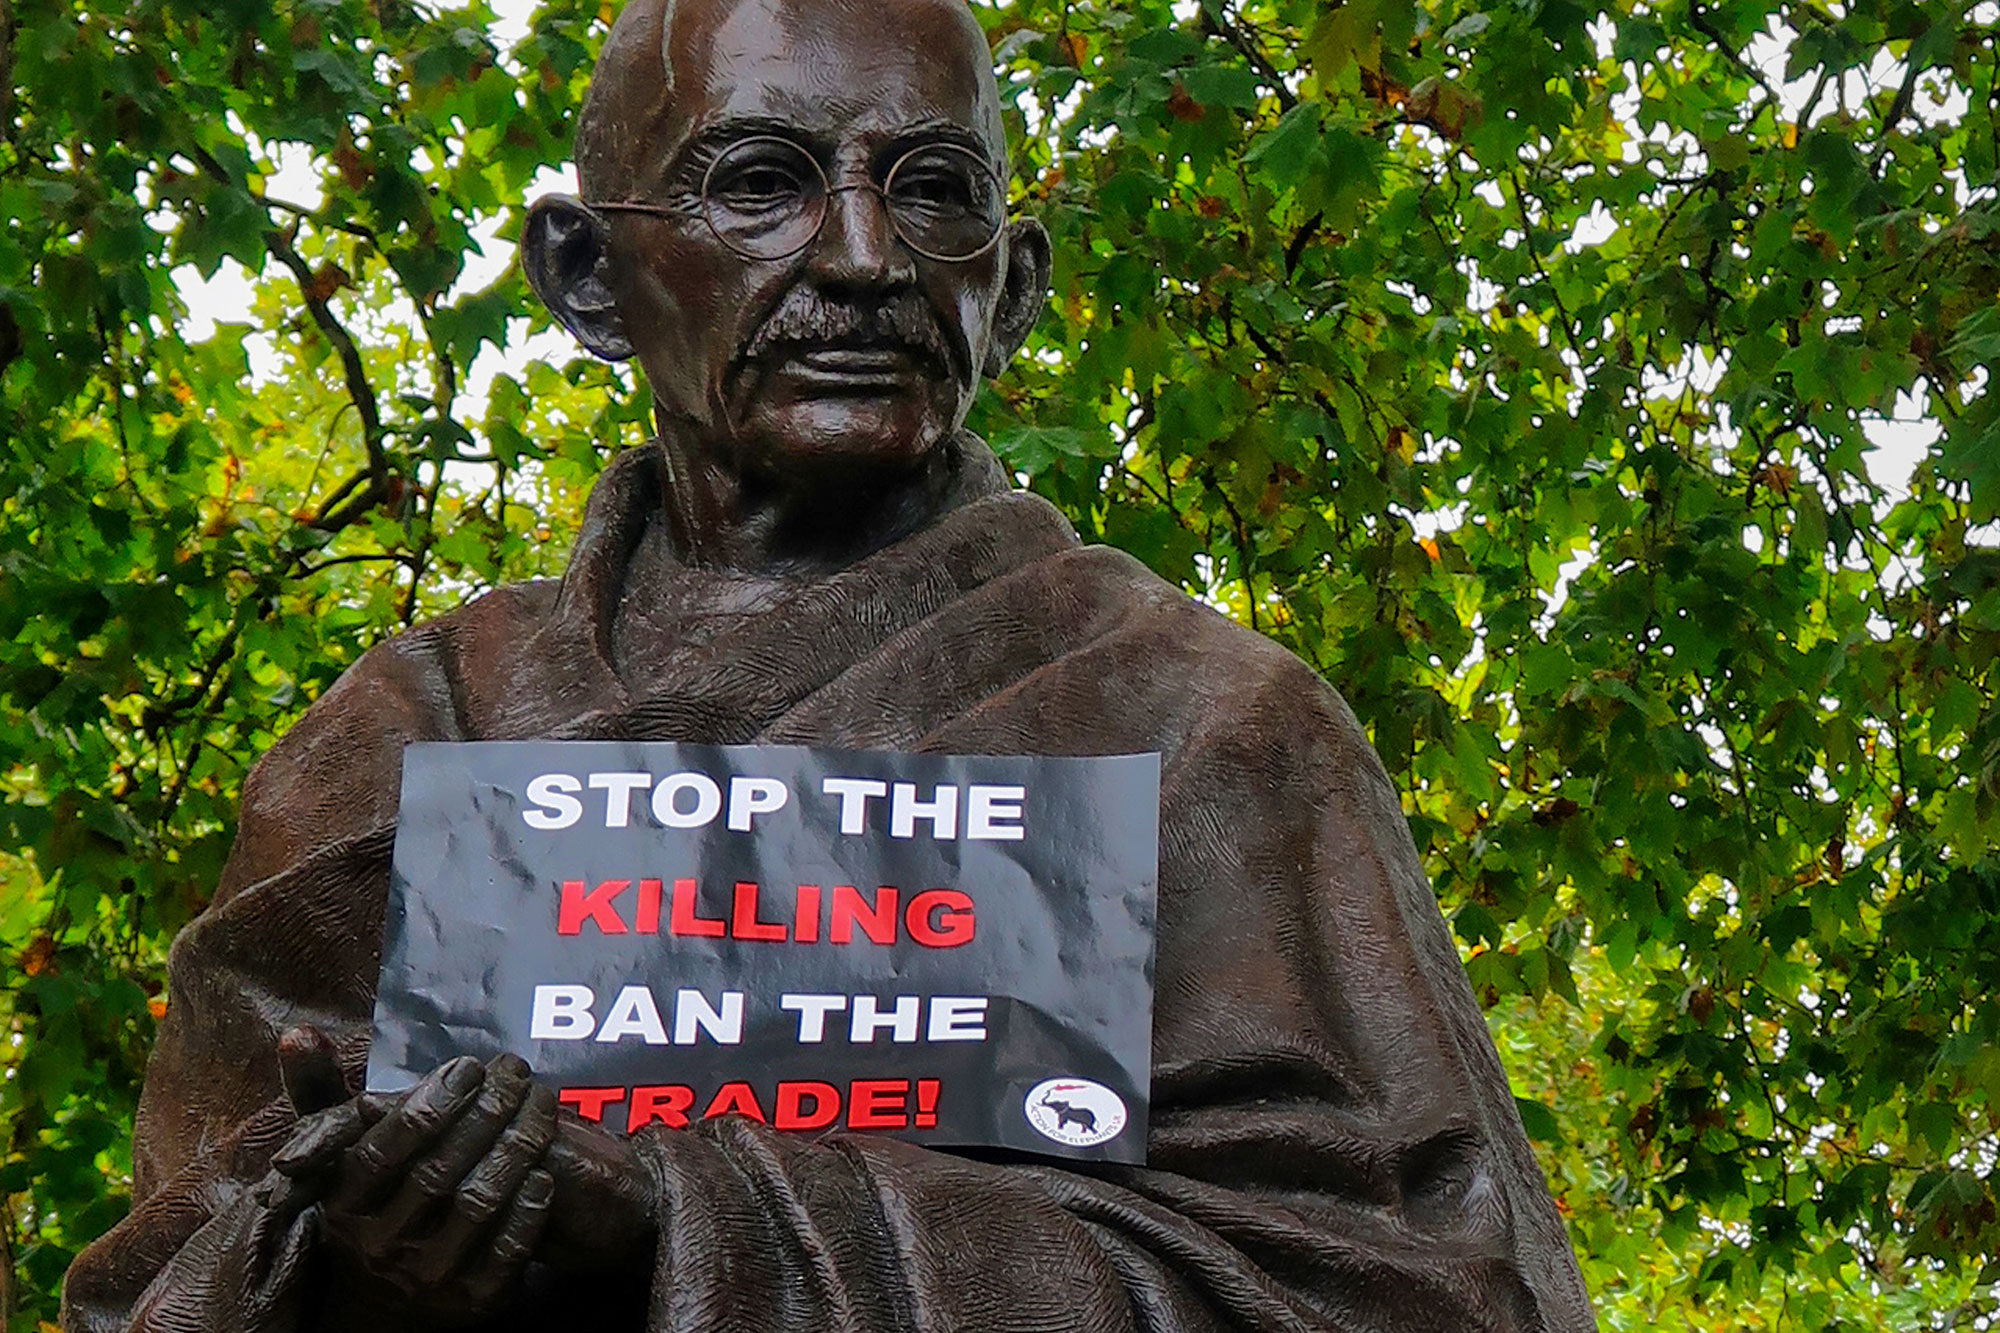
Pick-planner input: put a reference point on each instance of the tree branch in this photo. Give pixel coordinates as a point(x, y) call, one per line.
point(153, 717)
point(1301, 238)
point(366, 557)
point(1247, 572)
point(1699, 21)
point(1246, 46)
point(359, 391)
point(324, 519)
point(424, 506)
point(1899, 107)
point(7, 123)
point(1818, 89)
point(1264, 345)
point(172, 800)
point(358, 387)
point(366, 233)
point(1535, 254)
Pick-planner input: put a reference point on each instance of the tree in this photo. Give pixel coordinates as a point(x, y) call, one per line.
point(1518, 366)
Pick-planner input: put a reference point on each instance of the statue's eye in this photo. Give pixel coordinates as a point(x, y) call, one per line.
point(762, 176)
point(762, 184)
point(942, 185)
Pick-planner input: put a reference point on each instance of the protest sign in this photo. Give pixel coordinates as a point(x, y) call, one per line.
point(956, 950)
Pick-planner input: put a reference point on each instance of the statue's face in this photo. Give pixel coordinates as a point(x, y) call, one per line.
point(855, 350)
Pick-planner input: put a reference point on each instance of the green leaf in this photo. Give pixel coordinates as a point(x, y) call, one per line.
point(1467, 28)
point(1539, 1121)
point(1221, 85)
point(1034, 449)
point(1285, 149)
point(1977, 338)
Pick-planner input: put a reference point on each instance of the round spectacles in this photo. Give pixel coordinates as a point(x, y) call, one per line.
point(766, 198)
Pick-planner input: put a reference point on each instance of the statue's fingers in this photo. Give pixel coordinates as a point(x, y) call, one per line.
point(513, 1245)
point(377, 1163)
point(435, 1177)
point(604, 1196)
point(283, 1197)
point(317, 1144)
point(492, 1187)
point(309, 1065)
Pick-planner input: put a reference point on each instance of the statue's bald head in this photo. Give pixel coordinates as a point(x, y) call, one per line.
point(631, 92)
point(625, 131)
point(856, 353)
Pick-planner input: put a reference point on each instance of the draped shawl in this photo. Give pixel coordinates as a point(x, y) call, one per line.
point(1333, 1144)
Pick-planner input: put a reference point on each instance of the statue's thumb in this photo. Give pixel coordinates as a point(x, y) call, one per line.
point(310, 1068)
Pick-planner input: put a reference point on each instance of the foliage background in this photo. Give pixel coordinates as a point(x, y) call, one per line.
point(1514, 361)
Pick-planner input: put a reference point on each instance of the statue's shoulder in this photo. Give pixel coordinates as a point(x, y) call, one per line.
point(416, 673)
point(1194, 635)
point(337, 772)
point(1225, 699)
point(1183, 656)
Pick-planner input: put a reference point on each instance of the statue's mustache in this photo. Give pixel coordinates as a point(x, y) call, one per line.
point(902, 320)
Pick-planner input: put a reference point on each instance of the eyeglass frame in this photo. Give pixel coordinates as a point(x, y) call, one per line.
point(829, 190)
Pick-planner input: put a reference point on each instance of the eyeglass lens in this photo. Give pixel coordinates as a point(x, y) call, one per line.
point(766, 198)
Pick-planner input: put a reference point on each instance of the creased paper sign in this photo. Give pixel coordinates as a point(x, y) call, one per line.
point(956, 950)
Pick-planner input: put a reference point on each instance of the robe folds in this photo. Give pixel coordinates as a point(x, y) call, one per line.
point(1333, 1144)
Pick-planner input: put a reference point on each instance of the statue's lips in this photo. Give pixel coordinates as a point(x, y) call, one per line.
point(852, 368)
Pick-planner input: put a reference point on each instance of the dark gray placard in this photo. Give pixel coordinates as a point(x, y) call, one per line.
point(1060, 945)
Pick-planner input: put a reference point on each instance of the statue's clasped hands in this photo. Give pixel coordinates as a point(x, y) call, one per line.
point(446, 1192)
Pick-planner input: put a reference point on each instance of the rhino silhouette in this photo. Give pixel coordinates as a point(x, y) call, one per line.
point(1085, 1118)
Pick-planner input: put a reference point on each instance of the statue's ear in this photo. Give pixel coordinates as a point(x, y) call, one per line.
point(566, 255)
point(1024, 290)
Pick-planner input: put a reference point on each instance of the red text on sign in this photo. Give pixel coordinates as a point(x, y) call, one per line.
point(933, 918)
point(794, 1104)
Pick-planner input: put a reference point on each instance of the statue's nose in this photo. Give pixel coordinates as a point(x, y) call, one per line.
point(857, 243)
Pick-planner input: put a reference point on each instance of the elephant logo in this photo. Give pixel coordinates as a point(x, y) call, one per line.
point(1075, 1111)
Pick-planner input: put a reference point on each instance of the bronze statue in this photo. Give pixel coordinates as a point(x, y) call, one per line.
point(794, 218)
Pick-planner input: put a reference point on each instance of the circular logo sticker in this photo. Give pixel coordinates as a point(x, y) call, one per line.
point(1075, 1111)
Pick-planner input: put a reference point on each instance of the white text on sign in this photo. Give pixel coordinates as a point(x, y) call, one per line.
point(569, 1013)
point(977, 812)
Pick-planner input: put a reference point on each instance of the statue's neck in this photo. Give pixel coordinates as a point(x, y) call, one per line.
point(720, 519)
